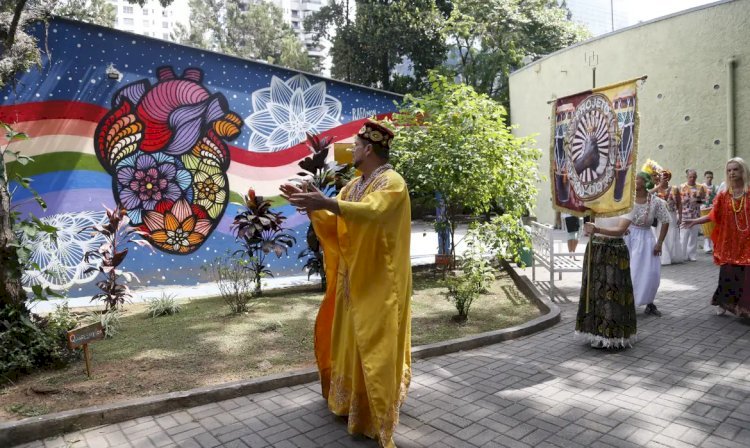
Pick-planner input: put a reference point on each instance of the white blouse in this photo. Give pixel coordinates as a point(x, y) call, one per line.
point(642, 215)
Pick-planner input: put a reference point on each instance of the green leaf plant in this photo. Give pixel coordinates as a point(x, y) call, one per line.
point(455, 141)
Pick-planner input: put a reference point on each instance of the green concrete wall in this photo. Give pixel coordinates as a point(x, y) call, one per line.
point(682, 104)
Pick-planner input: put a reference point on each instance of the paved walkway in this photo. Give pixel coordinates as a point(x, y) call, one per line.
point(685, 383)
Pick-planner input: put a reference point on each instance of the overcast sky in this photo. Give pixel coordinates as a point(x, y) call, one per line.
point(643, 10)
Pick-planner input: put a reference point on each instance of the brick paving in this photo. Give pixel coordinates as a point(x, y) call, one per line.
point(685, 383)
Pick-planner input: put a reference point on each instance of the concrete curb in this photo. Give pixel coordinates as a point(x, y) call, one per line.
point(36, 428)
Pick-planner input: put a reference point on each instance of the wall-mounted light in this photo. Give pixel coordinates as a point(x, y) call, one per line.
point(113, 73)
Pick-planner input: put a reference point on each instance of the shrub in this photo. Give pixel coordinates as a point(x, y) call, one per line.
point(236, 281)
point(110, 254)
point(260, 231)
point(476, 262)
point(110, 320)
point(28, 341)
point(462, 290)
point(163, 306)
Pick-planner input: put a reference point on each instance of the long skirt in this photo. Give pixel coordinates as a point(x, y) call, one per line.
point(671, 252)
point(733, 291)
point(606, 311)
point(645, 267)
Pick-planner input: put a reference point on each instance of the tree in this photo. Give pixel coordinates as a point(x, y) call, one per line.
point(99, 12)
point(490, 38)
point(19, 52)
point(247, 30)
point(371, 39)
point(454, 141)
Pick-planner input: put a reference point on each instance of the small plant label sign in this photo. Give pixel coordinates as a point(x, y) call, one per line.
point(82, 337)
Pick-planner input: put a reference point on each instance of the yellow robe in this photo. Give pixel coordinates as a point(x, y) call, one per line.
point(363, 328)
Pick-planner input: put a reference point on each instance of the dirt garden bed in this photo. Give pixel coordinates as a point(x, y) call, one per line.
point(205, 345)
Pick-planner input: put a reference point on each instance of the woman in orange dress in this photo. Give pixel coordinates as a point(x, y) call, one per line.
point(731, 237)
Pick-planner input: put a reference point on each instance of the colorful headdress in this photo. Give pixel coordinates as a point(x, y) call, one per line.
point(374, 132)
point(652, 168)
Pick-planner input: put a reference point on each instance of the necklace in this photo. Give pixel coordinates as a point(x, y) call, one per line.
point(358, 190)
point(737, 210)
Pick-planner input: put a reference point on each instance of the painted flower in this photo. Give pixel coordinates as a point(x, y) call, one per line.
point(286, 111)
point(147, 179)
point(61, 260)
point(179, 228)
point(210, 192)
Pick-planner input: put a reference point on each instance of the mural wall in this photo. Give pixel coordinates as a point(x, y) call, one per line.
point(176, 140)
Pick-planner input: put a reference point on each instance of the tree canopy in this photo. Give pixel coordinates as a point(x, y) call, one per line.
point(99, 12)
point(491, 38)
point(371, 38)
point(247, 30)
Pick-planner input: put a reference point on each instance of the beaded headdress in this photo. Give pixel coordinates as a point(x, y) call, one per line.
point(374, 132)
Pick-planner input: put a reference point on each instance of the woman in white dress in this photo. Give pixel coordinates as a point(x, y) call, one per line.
point(672, 251)
point(645, 250)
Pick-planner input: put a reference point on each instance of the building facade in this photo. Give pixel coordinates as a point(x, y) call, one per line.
point(691, 107)
point(295, 13)
point(151, 19)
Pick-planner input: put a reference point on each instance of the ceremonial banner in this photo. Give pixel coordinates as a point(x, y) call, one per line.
point(593, 151)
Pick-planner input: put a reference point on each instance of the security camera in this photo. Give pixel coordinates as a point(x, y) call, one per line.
point(113, 73)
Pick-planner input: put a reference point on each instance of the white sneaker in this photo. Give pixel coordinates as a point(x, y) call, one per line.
point(721, 311)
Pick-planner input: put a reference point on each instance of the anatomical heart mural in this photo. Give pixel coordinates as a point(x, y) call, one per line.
point(173, 135)
point(164, 145)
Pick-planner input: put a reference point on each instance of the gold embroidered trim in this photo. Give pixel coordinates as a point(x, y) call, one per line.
point(360, 186)
point(345, 286)
point(344, 402)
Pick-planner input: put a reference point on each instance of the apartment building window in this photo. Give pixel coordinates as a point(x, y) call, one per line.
point(295, 25)
point(145, 12)
point(295, 13)
point(127, 21)
point(127, 9)
point(165, 25)
point(165, 36)
point(164, 13)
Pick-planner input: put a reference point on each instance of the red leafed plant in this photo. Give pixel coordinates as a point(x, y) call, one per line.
point(117, 234)
point(260, 231)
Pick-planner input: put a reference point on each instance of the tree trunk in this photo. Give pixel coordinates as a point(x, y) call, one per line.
point(11, 292)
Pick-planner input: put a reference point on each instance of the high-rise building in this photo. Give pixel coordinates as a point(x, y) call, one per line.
point(151, 19)
point(295, 12)
point(156, 21)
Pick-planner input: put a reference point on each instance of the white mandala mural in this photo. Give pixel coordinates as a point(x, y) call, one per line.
point(61, 263)
point(284, 112)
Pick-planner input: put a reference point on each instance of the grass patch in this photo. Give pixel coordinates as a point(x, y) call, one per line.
point(204, 344)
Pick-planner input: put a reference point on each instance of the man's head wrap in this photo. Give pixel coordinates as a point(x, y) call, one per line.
point(378, 136)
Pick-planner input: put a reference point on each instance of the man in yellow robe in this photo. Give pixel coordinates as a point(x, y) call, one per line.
point(363, 328)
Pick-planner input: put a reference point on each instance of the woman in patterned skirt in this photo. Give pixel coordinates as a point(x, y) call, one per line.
point(606, 309)
point(731, 237)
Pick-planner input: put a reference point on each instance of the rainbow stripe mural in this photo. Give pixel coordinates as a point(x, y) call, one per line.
point(175, 141)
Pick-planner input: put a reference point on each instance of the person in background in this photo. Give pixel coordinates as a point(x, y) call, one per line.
point(572, 226)
point(672, 250)
point(692, 196)
point(731, 237)
point(711, 190)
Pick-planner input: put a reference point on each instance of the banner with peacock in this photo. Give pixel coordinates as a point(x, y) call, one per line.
point(593, 150)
